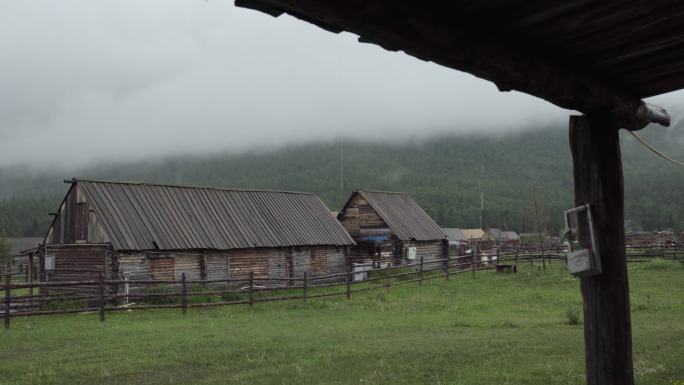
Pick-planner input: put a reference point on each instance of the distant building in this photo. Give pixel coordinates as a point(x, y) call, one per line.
point(512, 239)
point(457, 241)
point(390, 227)
point(158, 232)
point(477, 238)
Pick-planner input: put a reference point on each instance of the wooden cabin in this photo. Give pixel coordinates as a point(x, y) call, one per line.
point(391, 228)
point(158, 232)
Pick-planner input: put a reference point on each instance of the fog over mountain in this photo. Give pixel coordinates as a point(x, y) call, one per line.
point(122, 80)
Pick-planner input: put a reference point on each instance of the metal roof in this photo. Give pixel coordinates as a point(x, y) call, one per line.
point(139, 216)
point(511, 236)
point(454, 234)
point(405, 218)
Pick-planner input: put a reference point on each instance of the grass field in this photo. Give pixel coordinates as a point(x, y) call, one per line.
point(491, 329)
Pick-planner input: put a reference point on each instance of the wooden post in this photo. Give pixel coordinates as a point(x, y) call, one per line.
point(101, 302)
point(8, 299)
point(184, 295)
point(595, 148)
point(516, 257)
point(387, 277)
point(30, 270)
point(306, 284)
point(251, 288)
point(420, 272)
point(448, 267)
point(349, 278)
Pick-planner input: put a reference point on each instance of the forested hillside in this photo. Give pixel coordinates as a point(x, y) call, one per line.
point(447, 174)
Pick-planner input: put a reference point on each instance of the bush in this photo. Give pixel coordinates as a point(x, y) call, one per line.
point(572, 315)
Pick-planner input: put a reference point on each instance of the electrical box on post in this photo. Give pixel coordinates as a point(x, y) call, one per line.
point(584, 262)
point(49, 262)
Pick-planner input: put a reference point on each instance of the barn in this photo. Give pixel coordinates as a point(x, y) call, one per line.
point(391, 228)
point(157, 232)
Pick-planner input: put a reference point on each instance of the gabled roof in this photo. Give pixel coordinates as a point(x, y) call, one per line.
point(473, 233)
point(139, 216)
point(454, 234)
point(403, 216)
point(511, 236)
point(495, 233)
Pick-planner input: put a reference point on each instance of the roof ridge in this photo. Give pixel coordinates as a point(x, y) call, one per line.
point(384, 192)
point(76, 180)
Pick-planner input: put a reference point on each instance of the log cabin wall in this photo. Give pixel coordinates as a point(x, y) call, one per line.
point(76, 262)
point(429, 250)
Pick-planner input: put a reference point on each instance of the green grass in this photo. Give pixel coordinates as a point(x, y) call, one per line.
point(491, 329)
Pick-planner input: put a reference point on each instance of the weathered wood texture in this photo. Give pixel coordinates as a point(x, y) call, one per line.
point(429, 251)
point(75, 221)
point(598, 181)
point(360, 219)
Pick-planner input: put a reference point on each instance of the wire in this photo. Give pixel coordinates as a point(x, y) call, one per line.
point(655, 150)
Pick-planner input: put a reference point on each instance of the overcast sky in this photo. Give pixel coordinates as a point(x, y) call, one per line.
point(106, 80)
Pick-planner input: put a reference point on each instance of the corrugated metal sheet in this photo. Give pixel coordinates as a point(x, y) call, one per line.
point(405, 218)
point(454, 234)
point(138, 216)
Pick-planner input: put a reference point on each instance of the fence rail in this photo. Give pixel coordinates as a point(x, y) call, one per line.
point(101, 296)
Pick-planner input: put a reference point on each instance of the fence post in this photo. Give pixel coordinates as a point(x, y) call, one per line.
point(420, 272)
point(496, 264)
point(516, 257)
point(349, 278)
point(448, 267)
point(101, 299)
point(184, 294)
point(387, 277)
point(251, 288)
point(472, 263)
point(306, 286)
point(8, 301)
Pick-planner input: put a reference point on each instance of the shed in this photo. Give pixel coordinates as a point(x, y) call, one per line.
point(390, 227)
point(157, 232)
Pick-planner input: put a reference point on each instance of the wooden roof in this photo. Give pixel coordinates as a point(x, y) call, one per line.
point(586, 55)
point(139, 216)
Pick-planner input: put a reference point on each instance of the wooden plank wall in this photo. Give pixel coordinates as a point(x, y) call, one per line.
point(359, 218)
point(77, 262)
point(75, 222)
point(428, 250)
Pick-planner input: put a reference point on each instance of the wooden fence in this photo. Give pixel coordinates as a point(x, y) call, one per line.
point(25, 299)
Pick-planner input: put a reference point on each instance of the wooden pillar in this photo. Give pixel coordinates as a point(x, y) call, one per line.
point(595, 147)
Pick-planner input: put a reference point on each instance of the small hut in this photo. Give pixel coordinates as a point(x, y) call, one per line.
point(391, 228)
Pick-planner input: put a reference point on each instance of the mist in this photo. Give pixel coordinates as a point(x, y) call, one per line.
point(97, 81)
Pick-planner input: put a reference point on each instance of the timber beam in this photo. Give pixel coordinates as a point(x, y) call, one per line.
point(469, 44)
point(595, 147)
